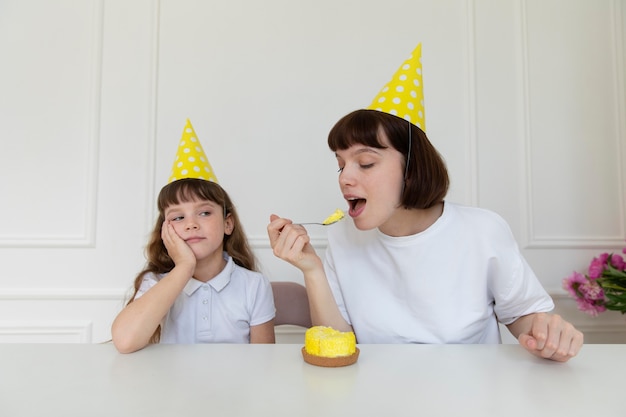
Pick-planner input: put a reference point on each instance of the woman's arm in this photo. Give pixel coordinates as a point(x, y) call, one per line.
point(324, 310)
point(291, 243)
point(547, 336)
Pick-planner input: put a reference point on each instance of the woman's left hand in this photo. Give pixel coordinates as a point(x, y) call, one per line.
point(548, 336)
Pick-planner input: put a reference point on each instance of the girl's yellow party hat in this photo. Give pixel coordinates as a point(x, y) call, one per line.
point(191, 162)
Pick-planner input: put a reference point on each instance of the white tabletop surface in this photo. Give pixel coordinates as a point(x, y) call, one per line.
point(273, 380)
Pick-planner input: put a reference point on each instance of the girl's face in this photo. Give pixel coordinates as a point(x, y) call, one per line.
point(371, 181)
point(201, 225)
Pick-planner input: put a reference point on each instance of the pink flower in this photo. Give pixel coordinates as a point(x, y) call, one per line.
point(604, 286)
point(588, 293)
point(618, 262)
point(589, 307)
point(596, 267)
point(591, 291)
point(573, 282)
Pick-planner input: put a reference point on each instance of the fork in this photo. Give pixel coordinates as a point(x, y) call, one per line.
point(332, 219)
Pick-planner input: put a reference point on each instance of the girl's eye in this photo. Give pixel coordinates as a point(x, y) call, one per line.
point(205, 213)
point(340, 169)
point(177, 218)
point(366, 166)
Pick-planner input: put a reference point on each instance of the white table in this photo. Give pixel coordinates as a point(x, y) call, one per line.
point(273, 380)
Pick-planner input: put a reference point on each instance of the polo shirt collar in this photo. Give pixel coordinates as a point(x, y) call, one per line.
point(218, 282)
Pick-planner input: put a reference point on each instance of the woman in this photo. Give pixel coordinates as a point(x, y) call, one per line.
point(411, 267)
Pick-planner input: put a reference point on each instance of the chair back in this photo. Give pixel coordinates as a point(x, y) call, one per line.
point(292, 304)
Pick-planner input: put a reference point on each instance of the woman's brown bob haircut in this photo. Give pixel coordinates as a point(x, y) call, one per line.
point(426, 182)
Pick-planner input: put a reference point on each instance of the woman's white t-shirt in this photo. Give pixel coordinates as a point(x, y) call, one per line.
point(451, 283)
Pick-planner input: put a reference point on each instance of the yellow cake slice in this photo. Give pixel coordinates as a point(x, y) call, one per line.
point(334, 218)
point(325, 346)
point(328, 342)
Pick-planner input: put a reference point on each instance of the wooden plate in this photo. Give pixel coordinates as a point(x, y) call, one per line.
point(330, 362)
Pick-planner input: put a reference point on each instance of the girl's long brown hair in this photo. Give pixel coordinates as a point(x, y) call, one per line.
point(184, 190)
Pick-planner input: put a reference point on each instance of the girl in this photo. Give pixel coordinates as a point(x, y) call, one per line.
point(411, 267)
point(199, 285)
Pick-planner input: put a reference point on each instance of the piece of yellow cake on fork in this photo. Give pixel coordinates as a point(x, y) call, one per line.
point(334, 218)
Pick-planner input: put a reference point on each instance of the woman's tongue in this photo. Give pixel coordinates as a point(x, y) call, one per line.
point(356, 207)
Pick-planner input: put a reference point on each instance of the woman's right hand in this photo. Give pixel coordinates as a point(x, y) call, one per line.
point(291, 242)
point(177, 248)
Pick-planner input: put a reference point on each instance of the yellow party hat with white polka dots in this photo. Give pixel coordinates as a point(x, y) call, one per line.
point(403, 95)
point(191, 161)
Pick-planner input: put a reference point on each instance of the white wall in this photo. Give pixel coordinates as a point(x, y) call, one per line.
point(525, 99)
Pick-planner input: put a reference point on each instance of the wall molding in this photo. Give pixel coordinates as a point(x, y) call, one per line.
point(63, 294)
point(609, 327)
point(88, 238)
point(531, 238)
point(153, 118)
point(63, 331)
point(578, 242)
point(471, 194)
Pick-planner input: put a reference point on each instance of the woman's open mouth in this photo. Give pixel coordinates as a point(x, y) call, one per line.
point(357, 205)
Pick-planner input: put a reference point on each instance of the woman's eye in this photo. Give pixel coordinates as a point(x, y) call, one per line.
point(366, 166)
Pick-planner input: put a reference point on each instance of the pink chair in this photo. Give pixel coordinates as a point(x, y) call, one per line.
point(292, 304)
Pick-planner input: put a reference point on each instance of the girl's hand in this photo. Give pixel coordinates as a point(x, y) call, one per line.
point(177, 248)
point(291, 242)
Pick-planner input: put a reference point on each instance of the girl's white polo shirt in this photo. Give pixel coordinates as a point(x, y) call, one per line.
point(218, 311)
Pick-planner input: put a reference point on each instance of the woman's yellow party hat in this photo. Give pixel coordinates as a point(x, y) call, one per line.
point(191, 162)
point(403, 95)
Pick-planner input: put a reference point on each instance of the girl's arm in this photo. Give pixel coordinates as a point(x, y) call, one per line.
point(291, 243)
point(136, 323)
point(263, 333)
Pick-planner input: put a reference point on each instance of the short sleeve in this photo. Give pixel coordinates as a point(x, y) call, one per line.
point(516, 289)
point(149, 280)
point(263, 309)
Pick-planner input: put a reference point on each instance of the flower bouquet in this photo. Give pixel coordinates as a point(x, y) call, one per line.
point(602, 288)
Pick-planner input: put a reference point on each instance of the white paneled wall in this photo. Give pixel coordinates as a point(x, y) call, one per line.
point(526, 100)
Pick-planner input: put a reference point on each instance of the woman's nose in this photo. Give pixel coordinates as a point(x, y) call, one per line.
point(345, 177)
